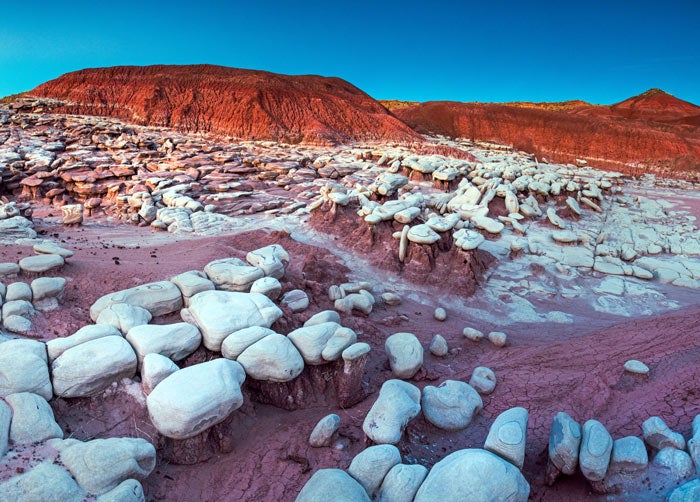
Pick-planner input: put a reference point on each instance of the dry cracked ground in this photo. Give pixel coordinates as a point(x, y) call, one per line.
point(189, 317)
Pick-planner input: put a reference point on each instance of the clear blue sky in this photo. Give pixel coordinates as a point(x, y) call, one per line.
point(491, 50)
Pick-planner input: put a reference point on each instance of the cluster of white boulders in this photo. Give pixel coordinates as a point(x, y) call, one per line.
point(108, 469)
point(608, 464)
point(377, 473)
point(14, 221)
point(352, 296)
point(20, 300)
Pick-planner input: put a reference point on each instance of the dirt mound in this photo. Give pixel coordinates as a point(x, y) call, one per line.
point(653, 132)
point(241, 103)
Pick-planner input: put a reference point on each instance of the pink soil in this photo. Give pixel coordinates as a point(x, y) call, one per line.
point(545, 368)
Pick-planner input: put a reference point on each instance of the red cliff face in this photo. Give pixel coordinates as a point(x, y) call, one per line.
point(651, 132)
point(241, 103)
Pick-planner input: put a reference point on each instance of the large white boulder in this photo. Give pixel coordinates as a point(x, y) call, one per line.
point(58, 346)
point(89, 368)
point(312, 340)
point(124, 316)
point(273, 358)
point(475, 475)
point(451, 405)
point(232, 274)
point(175, 341)
point(101, 465)
point(23, 368)
point(195, 398)
point(159, 298)
point(371, 465)
point(272, 259)
point(405, 354)
point(32, 419)
point(332, 484)
point(220, 313)
point(46, 481)
point(401, 483)
point(234, 344)
point(398, 402)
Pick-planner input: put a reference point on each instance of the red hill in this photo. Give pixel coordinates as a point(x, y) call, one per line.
point(241, 103)
point(651, 132)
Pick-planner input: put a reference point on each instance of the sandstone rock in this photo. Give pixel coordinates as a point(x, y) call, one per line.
point(628, 455)
point(191, 283)
point(101, 465)
point(220, 313)
point(401, 483)
point(297, 300)
point(232, 274)
point(468, 240)
point(89, 368)
point(48, 287)
point(422, 234)
point(451, 405)
point(72, 214)
point(694, 443)
point(175, 341)
point(32, 419)
point(391, 299)
point(17, 324)
point(498, 338)
point(324, 430)
point(51, 248)
point(332, 484)
point(658, 435)
point(564, 445)
point(341, 340)
point(371, 465)
point(17, 308)
point(677, 463)
point(363, 301)
point(44, 482)
point(312, 340)
point(23, 368)
point(154, 369)
point(159, 298)
point(687, 492)
point(398, 402)
point(323, 316)
point(41, 263)
point(234, 344)
point(268, 286)
point(272, 259)
point(195, 398)
point(405, 354)
point(565, 236)
point(473, 334)
point(274, 358)
point(487, 224)
point(473, 474)
point(124, 317)
point(129, 490)
point(483, 380)
point(596, 448)
point(508, 435)
point(18, 291)
point(8, 269)
point(5, 421)
point(638, 367)
point(438, 346)
point(440, 314)
point(58, 346)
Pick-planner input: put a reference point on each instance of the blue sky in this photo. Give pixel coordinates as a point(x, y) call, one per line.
point(599, 51)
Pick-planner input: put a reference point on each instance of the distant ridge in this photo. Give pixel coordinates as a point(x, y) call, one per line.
point(245, 104)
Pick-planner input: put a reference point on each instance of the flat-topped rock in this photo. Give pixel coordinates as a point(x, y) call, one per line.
point(41, 263)
point(220, 313)
point(487, 224)
point(422, 234)
point(273, 358)
point(195, 398)
point(51, 248)
point(159, 298)
point(175, 341)
point(233, 274)
point(473, 474)
point(90, 367)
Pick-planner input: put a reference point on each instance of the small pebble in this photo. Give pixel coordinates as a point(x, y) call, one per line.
point(638, 367)
point(438, 347)
point(440, 314)
point(498, 338)
point(473, 334)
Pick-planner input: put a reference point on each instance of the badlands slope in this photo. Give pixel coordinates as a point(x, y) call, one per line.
point(190, 317)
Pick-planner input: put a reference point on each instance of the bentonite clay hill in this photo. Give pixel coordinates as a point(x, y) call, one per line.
point(245, 104)
point(651, 132)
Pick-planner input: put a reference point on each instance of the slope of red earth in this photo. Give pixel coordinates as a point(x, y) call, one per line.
point(245, 104)
point(653, 132)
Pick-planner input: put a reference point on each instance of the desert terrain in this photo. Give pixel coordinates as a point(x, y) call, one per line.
point(222, 284)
